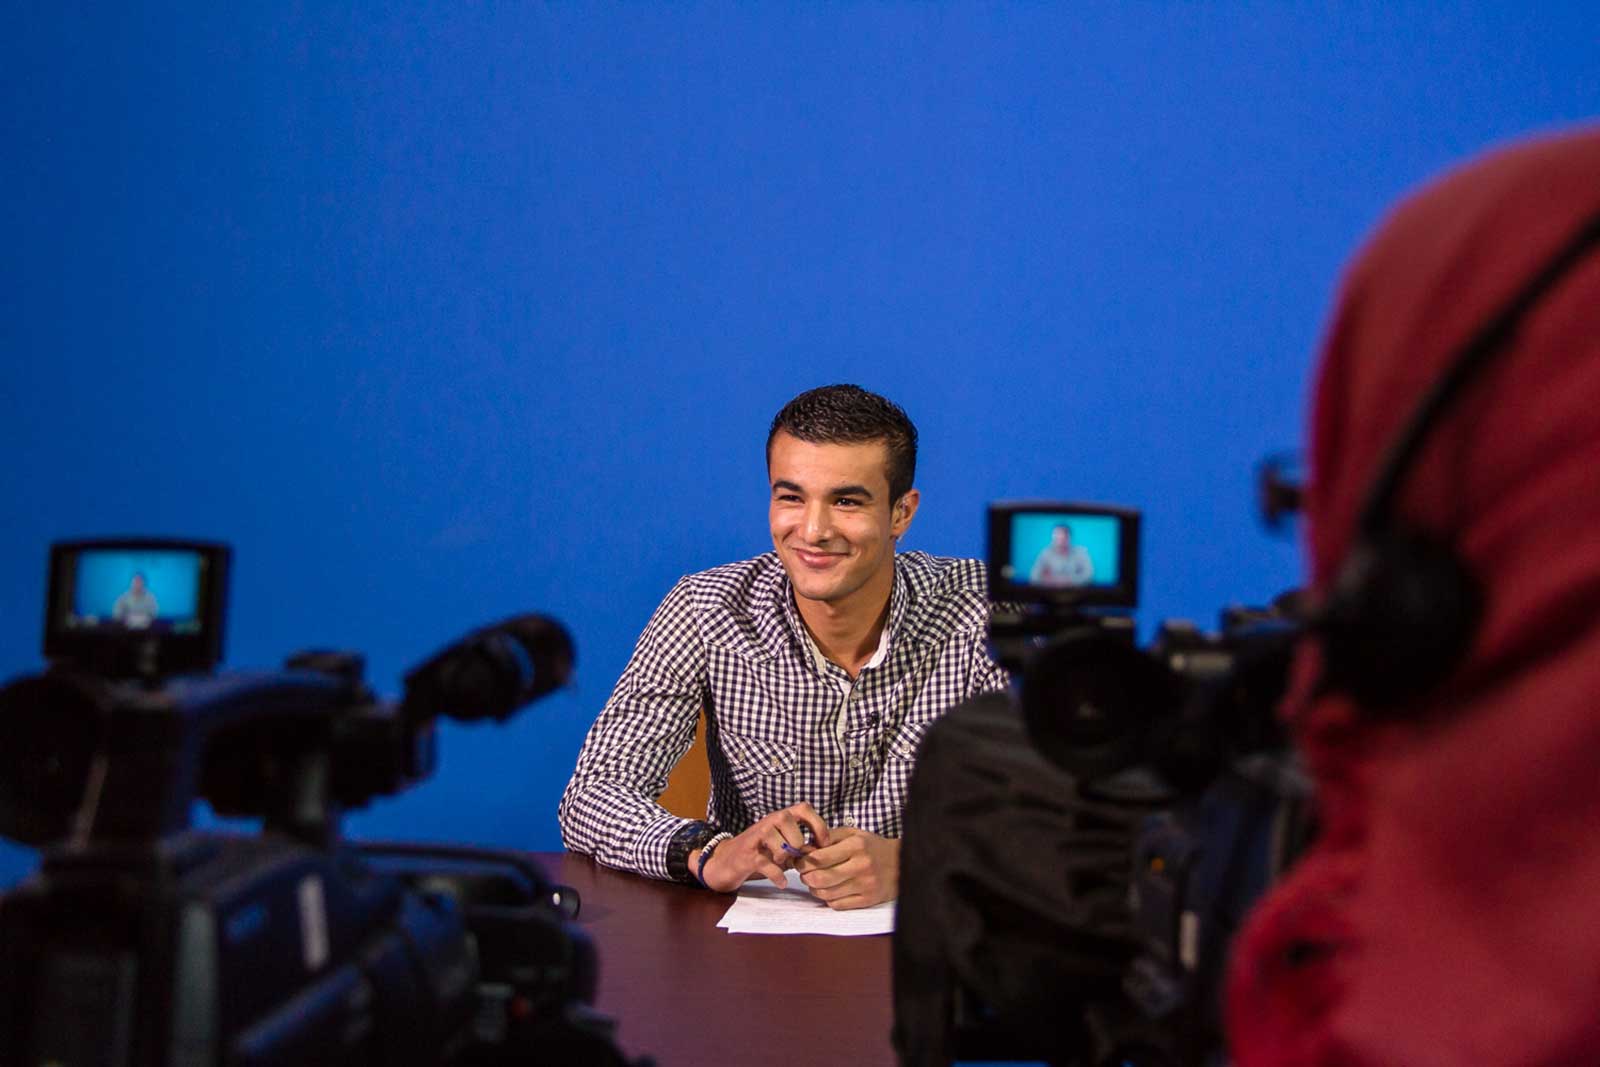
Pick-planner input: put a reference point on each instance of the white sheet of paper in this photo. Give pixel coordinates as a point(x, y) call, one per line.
point(763, 908)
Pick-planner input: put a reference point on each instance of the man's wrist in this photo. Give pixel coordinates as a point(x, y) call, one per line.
point(702, 856)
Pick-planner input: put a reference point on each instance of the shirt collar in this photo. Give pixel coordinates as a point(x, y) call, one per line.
point(783, 594)
point(820, 661)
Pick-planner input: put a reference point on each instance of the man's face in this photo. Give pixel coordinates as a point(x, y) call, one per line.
point(1063, 538)
point(138, 583)
point(833, 523)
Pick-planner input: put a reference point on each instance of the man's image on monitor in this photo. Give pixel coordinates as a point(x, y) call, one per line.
point(136, 608)
point(1062, 563)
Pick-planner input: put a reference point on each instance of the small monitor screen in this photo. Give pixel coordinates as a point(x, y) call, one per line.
point(1064, 550)
point(137, 589)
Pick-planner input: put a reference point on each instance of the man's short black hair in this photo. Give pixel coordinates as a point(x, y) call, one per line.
point(848, 415)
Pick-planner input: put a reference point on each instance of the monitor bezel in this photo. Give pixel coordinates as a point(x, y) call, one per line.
point(1124, 594)
point(111, 651)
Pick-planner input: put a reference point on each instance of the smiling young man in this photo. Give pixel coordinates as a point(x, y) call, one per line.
point(819, 666)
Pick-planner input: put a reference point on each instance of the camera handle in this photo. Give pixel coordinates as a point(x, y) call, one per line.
point(563, 898)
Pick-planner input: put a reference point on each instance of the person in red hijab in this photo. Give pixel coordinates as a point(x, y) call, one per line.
point(1449, 913)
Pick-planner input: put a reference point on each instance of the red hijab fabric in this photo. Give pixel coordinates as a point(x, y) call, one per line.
point(1450, 912)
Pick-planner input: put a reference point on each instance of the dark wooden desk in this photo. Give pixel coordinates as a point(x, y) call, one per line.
point(671, 979)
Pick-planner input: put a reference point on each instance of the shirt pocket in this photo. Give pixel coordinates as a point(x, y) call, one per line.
point(899, 760)
point(764, 772)
point(905, 741)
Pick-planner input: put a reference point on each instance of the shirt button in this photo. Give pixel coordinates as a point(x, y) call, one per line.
point(855, 761)
point(777, 763)
point(849, 820)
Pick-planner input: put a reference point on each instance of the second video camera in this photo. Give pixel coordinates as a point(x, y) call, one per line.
point(143, 942)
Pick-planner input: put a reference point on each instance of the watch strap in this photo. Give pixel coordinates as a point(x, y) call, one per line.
point(688, 837)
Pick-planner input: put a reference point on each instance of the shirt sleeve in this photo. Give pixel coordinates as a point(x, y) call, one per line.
point(609, 809)
point(986, 675)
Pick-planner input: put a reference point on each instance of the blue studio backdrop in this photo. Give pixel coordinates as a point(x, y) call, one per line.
point(444, 312)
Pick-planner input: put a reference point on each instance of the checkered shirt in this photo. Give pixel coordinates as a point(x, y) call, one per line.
point(780, 729)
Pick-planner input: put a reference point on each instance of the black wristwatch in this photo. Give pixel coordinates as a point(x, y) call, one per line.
point(691, 836)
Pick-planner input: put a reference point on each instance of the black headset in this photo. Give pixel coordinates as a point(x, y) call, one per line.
point(1403, 607)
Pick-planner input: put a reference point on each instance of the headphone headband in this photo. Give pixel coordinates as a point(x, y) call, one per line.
point(1490, 339)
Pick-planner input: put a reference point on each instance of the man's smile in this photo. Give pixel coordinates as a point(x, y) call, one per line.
point(815, 559)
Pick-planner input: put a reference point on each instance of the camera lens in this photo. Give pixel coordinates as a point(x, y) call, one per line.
point(1087, 698)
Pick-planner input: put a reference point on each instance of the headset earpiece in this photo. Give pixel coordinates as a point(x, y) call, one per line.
point(1399, 617)
point(1403, 608)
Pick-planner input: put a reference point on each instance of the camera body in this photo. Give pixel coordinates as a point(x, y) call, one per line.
point(1153, 783)
point(143, 942)
point(207, 948)
point(203, 949)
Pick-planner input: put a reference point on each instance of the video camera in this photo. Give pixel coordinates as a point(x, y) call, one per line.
point(1165, 784)
point(143, 942)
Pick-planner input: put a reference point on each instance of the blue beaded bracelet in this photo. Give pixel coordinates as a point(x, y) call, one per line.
point(705, 854)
